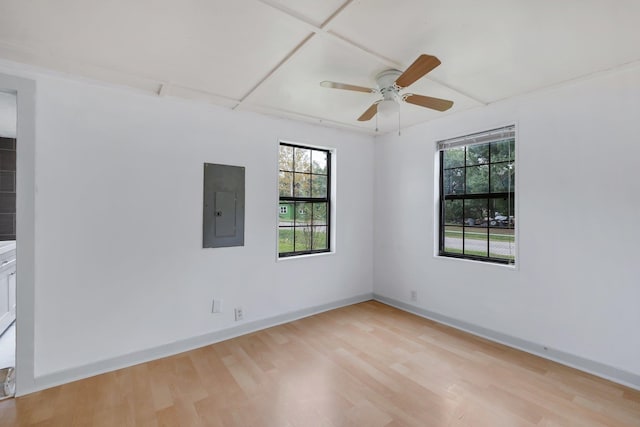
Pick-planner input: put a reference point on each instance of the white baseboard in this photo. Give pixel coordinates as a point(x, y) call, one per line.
point(602, 370)
point(65, 376)
point(112, 364)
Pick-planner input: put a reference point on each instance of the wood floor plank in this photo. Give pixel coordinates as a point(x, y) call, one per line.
point(363, 365)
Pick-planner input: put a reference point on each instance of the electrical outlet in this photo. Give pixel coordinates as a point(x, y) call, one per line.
point(216, 306)
point(414, 295)
point(239, 313)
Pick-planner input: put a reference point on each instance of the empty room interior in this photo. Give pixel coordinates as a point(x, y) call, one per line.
point(319, 213)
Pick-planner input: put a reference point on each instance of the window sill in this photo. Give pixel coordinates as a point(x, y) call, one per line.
point(288, 258)
point(512, 267)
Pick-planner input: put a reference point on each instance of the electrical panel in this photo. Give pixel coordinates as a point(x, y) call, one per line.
point(223, 212)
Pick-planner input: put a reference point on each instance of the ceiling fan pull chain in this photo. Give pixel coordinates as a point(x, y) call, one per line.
point(376, 123)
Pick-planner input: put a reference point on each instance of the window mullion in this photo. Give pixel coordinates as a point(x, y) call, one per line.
point(442, 203)
point(464, 224)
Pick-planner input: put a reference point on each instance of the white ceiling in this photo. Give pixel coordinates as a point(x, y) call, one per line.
point(270, 55)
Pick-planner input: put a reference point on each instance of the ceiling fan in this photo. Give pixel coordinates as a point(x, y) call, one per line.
point(391, 82)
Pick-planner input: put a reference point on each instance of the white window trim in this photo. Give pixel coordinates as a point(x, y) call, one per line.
point(436, 199)
point(333, 197)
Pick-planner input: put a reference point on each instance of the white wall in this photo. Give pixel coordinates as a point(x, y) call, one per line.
point(7, 114)
point(119, 261)
point(577, 285)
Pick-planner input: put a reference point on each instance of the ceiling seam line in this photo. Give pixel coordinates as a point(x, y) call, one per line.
point(91, 66)
point(292, 14)
point(301, 19)
point(42, 54)
point(630, 65)
point(335, 14)
point(315, 30)
point(393, 64)
point(309, 117)
point(323, 31)
point(275, 69)
point(333, 36)
point(204, 92)
point(473, 98)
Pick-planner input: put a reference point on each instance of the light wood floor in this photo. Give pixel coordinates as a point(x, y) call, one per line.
point(364, 365)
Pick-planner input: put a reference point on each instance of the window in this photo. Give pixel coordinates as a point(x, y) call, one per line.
point(304, 184)
point(477, 193)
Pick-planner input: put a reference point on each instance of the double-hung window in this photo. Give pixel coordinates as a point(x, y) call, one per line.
point(304, 215)
point(477, 196)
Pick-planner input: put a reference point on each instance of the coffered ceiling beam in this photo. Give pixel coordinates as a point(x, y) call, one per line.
point(314, 29)
point(324, 30)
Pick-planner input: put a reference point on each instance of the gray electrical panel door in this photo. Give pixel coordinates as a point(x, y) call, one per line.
point(223, 213)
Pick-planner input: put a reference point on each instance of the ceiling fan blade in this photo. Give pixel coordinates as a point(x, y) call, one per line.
point(428, 102)
point(345, 86)
point(419, 68)
point(367, 115)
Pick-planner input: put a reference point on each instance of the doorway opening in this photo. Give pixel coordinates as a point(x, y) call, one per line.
point(8, 146)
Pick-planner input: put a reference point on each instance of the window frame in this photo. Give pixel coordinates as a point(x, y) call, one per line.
point(489, 196)
point(293, 199)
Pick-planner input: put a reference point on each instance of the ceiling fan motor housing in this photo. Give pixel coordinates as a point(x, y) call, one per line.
point(386, 84)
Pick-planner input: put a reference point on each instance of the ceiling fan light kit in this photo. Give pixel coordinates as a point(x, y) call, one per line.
point(391, 82)
point(388, 107)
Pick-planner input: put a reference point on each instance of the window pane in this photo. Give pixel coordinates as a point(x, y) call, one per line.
point(454, 157)
point(475, 241)
point(303, 213)
point(502, 177)
point(286, 158)
point(478, 191)
point(319, 238)
point(454, 181)
point(320, 213)
point(302, 186)
point(503, 151)
point(285, 239)
point(318, 186)
point(302, 160)
point(501, 212)
point(478, 154)
point(502, 243)
point(453, 214)
point(478, 179)
point(319, 162)
point(453, 239)
point(286, 215)
point(285, 183)
point(303, 239)
point(475, 212)
point(501, 232)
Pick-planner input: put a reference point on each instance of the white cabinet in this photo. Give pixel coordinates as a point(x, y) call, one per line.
point(7, 294)
point(12, 292)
